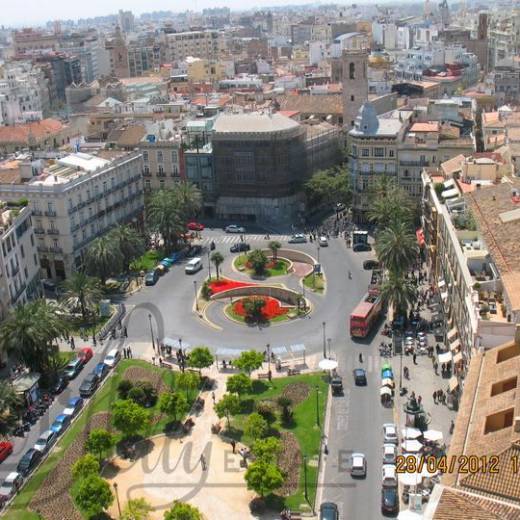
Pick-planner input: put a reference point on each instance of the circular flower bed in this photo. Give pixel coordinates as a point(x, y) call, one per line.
point(271, 310)
point(223, 284)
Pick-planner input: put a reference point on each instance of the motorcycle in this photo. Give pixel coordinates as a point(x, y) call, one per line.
point(212, 246)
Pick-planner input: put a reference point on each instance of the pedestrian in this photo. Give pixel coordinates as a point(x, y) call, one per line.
point(72, 343)
point(233, 445)
point(361, 357)
point(94, 342)
point(160, 361)
point(435, 397)
point(153, 360)
point(203, 461)
point(414, 358)
point(325, 449)
point(213, 397)
point(130, 352)
point(419, 399)
point(443, 368)
point(125, 332)
point(436, 367)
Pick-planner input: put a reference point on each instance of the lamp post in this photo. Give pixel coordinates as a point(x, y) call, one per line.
point(117, 499)
point(317, 406)
point(324, 324)
point(195, 289)
point(209, 267)
point(268, 350)
point(306, 494)
point(151, 331)
point(329, 341)
point(318, 251)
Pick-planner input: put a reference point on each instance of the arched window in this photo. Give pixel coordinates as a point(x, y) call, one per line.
point(352, 71)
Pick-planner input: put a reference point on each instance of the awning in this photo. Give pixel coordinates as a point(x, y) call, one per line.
point(452, 333)
point(385, 391)
point(229, 352)
point(444, 295)
point(457, 357)
point(455, 345)
point(441, 283)
point(454, 383)
point(445, 357)
point(279, 351)
point(448, 194)
point(450, 183)
point(299, 347)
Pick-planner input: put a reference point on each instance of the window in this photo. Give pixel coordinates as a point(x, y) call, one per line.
point(499, 421)
point(147, 185)
point(365, 152)
point(354, 150)
point(35, 258)
point(147, 170)
point(352, 98)
point(159, 156)
point(22, 251)
point(379, 152)
point(161, 171)
point(352, 71)
point(175, 156)
point(504, 386)
point(145, 156)
point(391, 153)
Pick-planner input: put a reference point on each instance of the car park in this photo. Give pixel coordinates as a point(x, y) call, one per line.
point(389, 453)
point(389, 475)
point(323, 242)
point(390, 433)
point(10, 486)
point(389, 500)
point(195, 226)
point(233, 228)
point(73, 368)
point(359, 465)
point(369, 265)
point(6, 448)
point(89, 385)
point(28, 461)
point(112, 358)
point(360, 377)
point(74, 405)
point(101, 370)
point(151, 277)
point(193, 266)
point(298, 238)
point(361, 247)
point(329, 511)
point(61, 423)
point(45, 441)
point(239, 247)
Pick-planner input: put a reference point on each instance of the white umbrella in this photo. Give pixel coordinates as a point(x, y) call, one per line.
point(413, 446)
point(411, 433)
point(328, 364)
point(385, 390)
point(408, 514)
point(445, 357)
point(410, 479)
point(433, 435)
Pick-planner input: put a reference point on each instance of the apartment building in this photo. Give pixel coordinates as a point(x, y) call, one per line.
point(75, 199)
point(199, 44)
point(33, 40)
point(19, 262)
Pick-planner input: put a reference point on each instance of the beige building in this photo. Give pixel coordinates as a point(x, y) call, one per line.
point(199, 44)
point(75, 199)
point(203, 70)
point(354, 76)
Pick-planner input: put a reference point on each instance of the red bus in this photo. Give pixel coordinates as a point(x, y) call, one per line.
point(365, 315)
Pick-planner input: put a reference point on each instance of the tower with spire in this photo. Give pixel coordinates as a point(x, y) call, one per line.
point(445, 13)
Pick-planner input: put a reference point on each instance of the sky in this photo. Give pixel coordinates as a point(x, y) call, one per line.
point(31, 12)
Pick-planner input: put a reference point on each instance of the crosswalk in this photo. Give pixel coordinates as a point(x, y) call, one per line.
point(233, 239)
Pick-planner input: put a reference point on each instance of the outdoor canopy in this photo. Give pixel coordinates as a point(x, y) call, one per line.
point(411, 433)
point(227, 352)
point(433, 435)
point(445, 357)
point(412, 446)
point(328, 364)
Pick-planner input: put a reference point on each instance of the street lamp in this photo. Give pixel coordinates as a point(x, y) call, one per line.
point(151, 331)
point(305, 478)
point(329, 341)
point(117, 499)
point(324, 341)
point(268, 350)
point(195, 289)
point(318, 251)
point(209, 267)
point(317, 406)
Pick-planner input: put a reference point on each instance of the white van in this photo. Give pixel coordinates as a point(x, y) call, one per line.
point(193, 266)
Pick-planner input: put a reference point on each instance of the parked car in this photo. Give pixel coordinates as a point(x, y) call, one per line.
point(323, 241)
point(101, 370)
point(369, 265)
point(195, 226)
point(61, 423)
point(28, 461)
point(112, 358)
point(239, 247)
point(329, 511)
point(389, 500)
point(233, 228)
point(360, 377)
point(389, 475)
point(73, 368)
point(390, 433)
point(85, 354)
point(359, 465)
point(389, 453)
point(10, 486)
point(151, 277)
point(60, 384)
point(45, 441)
point(6, 448)
point(193, 266)
point(361, 247)
point(298, 238)
point(74, 405)
point(195, 250)
point(89, 385)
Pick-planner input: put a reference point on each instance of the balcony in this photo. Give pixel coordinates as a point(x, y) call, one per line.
point(414, 163)
point(43, 249)
point(50, 213)
point(74, 228)
point(53, 231)
point(37, 212)
point(39, 231)
point(18, 293)
point(56, 249)
point(15, 270)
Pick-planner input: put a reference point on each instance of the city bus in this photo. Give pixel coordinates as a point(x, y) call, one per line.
point(366, 313)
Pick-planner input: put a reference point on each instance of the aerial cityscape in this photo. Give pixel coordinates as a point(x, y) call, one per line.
point(260, 262)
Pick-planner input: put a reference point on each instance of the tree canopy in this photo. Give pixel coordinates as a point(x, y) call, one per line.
point(94, 495)
point(263, 477)
point(129, 418)
point(200, 357)
point(99, 441)
point(173, 404)
point(239, 384)
point(137, 509)
point(85, 466)
point(249, 360)
point(182, 511)
point(229, 405)
point(328, 187)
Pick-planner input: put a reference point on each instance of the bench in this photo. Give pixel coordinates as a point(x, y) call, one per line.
point(293, 372)
point(263, 375)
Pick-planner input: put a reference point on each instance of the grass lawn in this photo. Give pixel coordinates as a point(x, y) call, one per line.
point(279, 269)
point(304, 426)
point(148, 261)
point(314, 282)
point(78, 328)
point(101, 402)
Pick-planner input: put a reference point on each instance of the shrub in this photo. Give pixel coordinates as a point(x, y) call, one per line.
point(123, 388)
point(256, 426)
point(206, 291)
point(266, 410)
point(85, 466)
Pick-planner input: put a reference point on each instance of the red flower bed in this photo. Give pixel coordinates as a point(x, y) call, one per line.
point(224, 284)
point(270, 310)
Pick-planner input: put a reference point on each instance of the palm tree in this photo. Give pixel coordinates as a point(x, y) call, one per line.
point(189, 199)
point(217, 259)
point(164, 216)
point(129, 241)
point(274, 245)
point(399, 292)
point(10, 402)
point(396, 247)
point(258, 261)
point(103, 258)
point(29, 333)
point(83, 291)
point(389, 207)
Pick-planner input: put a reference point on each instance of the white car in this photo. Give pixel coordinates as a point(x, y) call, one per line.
point(389, 476)
point(112, 358)
point(390, 433)
point(46, 440)
point(323, 241)
point(10, 486)
point(233, 228)
point(389, 453)
point(359, 465)
point(299, 238)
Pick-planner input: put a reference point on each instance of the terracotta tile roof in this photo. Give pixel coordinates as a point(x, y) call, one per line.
point(37, 129)
point(452, 165)
point(318, 104)
point(131, 136)
point(490, 118)
point(425, 127)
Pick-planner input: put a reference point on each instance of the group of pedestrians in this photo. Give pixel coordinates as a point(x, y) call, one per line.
point(127, 353)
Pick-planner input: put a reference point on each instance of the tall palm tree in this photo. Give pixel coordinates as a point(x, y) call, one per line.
point(29, 332)
point(103, 258)
point(217, 259)
point(396, 247)
point(399, 292)
point(83, 291)
point(163, 216)
point(274, 245)
point(10, 402)
point(130, 243)
point(189, 199)
point(389, 203)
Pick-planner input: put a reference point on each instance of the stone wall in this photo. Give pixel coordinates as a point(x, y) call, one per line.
point(280, 293)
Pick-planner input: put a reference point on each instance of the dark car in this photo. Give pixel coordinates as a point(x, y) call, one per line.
point(360, 377)
point(329, 511)
point(73, 368)
point(89, 385)
point(361, 247)
point(194, 251)
point(151, 277)
point(337, 385)
point(389, 501)
point(28, 461)
point(239, 247)
point(101, 370)
point(60, 384)
point(368, 265)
